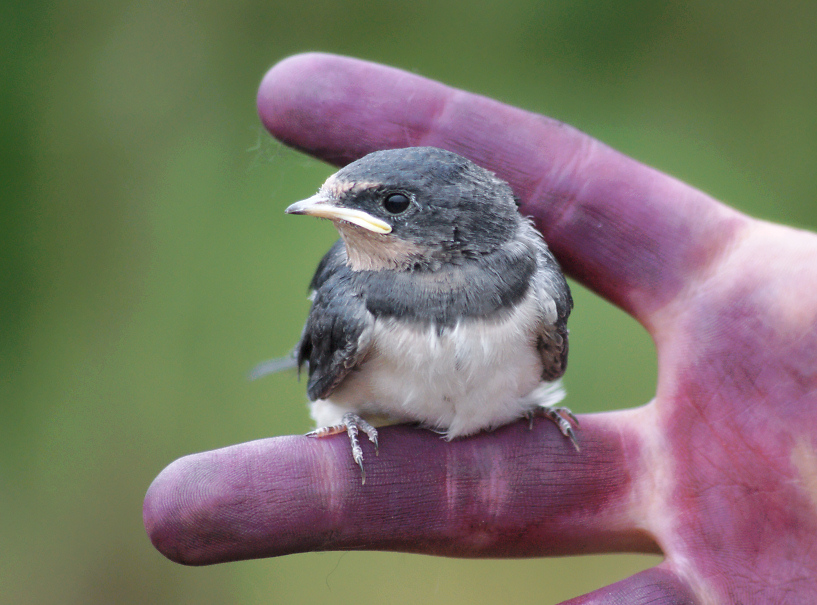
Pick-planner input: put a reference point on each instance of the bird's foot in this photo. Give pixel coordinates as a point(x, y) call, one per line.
point(352, 424)
point(563, 418)
point(530, 415)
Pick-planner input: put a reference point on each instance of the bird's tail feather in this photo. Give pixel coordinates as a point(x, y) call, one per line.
point(273, 366)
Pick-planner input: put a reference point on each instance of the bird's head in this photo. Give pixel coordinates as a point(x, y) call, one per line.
point(414, 208)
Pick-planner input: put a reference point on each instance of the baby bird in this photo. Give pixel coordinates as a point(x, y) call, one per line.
point(440, 304)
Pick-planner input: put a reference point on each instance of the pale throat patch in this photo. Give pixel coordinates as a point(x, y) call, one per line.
point(367, 251)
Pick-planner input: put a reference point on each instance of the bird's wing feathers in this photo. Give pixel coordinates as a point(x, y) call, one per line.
point(552, 341)
point(338, 331)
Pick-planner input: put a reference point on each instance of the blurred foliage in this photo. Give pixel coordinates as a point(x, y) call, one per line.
point(146, 264)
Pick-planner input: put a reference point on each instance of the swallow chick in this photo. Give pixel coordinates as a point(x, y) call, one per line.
point(440, 304)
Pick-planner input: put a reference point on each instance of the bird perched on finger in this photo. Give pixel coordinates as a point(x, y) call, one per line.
point(440, 304)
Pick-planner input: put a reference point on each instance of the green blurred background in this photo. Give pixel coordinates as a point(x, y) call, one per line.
point(146, 263)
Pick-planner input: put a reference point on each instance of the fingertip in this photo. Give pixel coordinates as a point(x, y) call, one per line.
point(193, 508)
point(282, 92)
point(162, 511)
point(179, 503)
point(304, 101)
point(237, 502)
point(340, 108)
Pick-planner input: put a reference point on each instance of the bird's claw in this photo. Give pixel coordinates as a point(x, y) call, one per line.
point(564, 419)
point(530, 415)
point(351, 424)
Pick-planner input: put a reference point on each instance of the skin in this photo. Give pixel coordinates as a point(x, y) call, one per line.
point(718, 472)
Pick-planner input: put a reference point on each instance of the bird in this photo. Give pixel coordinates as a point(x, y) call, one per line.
point(440, 304)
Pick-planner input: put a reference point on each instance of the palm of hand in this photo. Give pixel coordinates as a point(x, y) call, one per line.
point(719, 472)
point(735, 410)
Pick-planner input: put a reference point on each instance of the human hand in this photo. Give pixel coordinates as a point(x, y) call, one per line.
point(718, 472)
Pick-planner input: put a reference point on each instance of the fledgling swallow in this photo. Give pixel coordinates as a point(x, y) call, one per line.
point(440, 304)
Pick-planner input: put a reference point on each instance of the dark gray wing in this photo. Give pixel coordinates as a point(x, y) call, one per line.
point(338, 331)
point(552, 340)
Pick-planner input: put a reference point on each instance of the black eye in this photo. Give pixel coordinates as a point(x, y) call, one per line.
point(396, 203)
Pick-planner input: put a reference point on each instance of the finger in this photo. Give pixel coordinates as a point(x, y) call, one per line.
point(656, 586)
point(513, 492)
point(627, 231)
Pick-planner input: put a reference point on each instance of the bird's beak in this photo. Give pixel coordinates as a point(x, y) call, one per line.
point(321, 206)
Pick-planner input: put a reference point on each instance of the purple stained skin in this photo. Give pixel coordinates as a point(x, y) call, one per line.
point(718, 472)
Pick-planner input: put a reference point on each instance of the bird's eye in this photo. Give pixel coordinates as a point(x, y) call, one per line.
point(396, 203)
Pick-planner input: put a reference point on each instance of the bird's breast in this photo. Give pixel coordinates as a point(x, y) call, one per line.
point(459, 379)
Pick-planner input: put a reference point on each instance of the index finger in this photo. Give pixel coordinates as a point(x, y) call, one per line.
point(514, 492)
point(627, 231)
